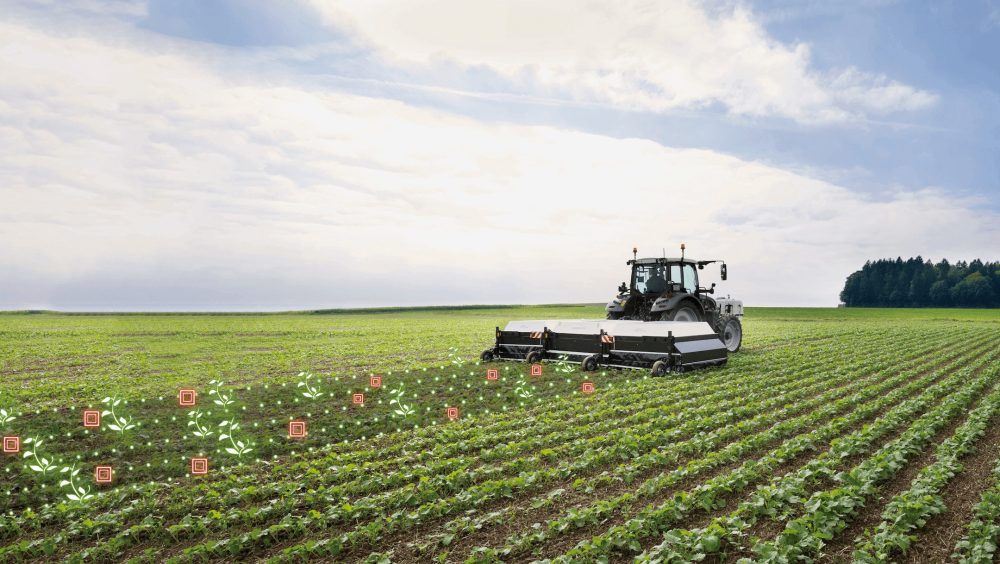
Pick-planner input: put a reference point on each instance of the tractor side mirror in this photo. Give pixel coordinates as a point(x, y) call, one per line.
point(622, 288)
point(722, 271)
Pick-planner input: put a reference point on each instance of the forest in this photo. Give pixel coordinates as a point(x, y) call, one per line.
point(919, 283)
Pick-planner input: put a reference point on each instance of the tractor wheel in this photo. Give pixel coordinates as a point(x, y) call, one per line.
point(685, 312)
point(660, 368)
point(487, 355)
point(533, 357)
point(614, 315)
point(589, 364)
point(731, 333)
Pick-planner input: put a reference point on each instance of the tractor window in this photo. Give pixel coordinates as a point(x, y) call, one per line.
point(690, 279)
point(649, 279)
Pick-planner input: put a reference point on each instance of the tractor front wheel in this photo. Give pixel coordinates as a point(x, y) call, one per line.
point(732, 332)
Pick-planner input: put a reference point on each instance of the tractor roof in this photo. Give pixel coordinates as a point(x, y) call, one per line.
point(664, 260)
point(661, 260)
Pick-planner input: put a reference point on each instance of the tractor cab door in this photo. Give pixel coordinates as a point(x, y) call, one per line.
point(685, 275)
point(689, 278)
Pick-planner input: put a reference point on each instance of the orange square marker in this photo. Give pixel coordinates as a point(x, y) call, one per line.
point(296, 429)
point(375, 382)
point(11, 445)
point(536, 369)
point(187, 397)
point(91, 418)
point(492, 374)
point(452, 413)
point(359, 399)
point(103, 474)
point(199, 466)
point(587, 387)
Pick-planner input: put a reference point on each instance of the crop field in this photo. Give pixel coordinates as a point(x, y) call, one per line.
point(833, 436)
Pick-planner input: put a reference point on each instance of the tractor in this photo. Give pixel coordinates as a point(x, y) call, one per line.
point(666, 289)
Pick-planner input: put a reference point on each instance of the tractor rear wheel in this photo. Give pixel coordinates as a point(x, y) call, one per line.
point(731, 332)
point(684, 312)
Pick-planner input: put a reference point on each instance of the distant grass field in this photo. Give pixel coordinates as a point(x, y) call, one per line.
point(903, 402)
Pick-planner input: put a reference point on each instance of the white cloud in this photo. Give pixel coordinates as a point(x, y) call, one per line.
point(144, 177)
point(633, 54)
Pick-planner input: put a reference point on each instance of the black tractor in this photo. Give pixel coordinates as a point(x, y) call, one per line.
point(666, 289)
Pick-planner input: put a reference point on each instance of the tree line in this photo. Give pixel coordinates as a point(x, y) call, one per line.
point(918, 283)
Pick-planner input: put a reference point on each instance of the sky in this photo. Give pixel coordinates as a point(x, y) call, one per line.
point(247, 155)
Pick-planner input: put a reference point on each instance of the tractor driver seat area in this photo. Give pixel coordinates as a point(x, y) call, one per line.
point(656, 284)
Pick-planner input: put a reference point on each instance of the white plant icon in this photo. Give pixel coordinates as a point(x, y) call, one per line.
point(312, 389)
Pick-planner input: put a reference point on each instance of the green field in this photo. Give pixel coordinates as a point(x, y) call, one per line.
point(835, 434)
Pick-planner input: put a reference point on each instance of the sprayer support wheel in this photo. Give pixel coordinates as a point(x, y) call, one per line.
point(589, 364)
point(660, 368)
point(486, 355)
point(533, 357)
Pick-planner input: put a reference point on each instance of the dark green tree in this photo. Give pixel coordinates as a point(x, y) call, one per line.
point(919, 283)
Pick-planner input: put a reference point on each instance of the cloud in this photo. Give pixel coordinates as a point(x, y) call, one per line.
point(148, 177)
point(655, 56)
point(116, 8)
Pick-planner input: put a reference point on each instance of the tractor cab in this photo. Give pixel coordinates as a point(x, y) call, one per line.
point(659, 275)
point(666, 289)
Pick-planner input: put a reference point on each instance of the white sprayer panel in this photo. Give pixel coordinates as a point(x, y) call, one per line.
point(614, 328)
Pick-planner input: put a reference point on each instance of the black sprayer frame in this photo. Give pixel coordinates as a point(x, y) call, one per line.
point(679, 353)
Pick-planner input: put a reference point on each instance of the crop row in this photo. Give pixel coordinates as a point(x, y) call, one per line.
point(824, 513)
point(908, 511)
point(983, 531)
point(651, 521)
